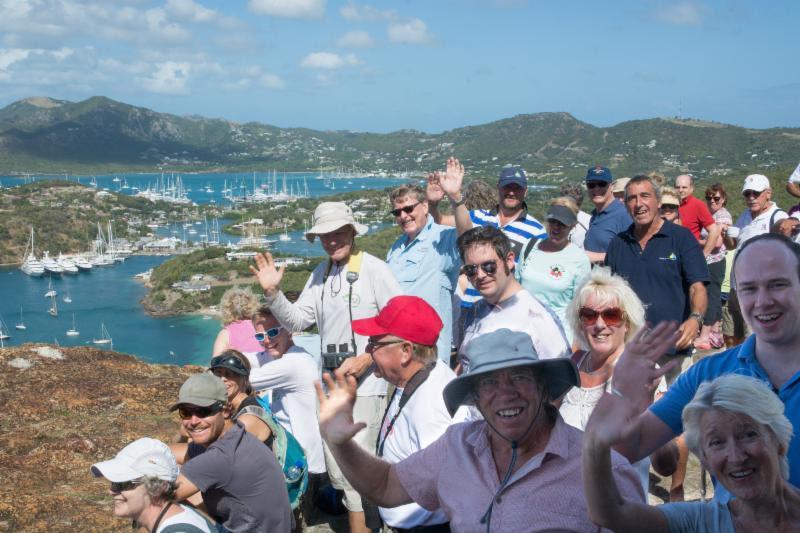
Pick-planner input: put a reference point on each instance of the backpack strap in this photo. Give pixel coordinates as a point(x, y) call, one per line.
point(278, 433)
point(528, 247)
point(772, 217)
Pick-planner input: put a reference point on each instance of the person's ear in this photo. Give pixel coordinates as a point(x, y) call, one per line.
point(408, 354)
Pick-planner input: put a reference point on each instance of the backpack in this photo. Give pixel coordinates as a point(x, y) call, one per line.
point(290, 455)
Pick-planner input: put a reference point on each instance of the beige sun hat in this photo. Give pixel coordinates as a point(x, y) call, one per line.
point(330, 216)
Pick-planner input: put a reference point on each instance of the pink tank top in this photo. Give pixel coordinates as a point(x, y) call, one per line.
point(240, 336)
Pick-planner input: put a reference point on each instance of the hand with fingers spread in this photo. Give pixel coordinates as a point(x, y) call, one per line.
point(452, 179)
point(268, 275)
point(434, 192)
point(336, 409)
point(636, 374)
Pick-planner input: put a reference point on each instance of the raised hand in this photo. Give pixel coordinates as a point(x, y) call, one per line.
point(336, 409)
point(268, 275)
point(635, 373)
point(434, 192)
point(451, 181)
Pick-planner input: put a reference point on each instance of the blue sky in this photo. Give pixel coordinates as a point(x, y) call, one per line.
point(428, 65)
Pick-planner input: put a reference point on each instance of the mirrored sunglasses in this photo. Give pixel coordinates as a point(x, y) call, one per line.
point(489, 267)
point(122, 486)
point(613, 316)
point(228, 362)
point(271, 333)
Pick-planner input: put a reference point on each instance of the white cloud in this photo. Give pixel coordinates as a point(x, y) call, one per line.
point(292, 9)
point(9, 56)
point(356, 39)
point(328, 60)
point(412, 32)
point(271, 81)
point(682, 14)
point(356, 12)
point(190, 10)
point(170, 77)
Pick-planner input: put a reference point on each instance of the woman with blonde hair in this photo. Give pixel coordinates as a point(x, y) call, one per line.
point(237, 307)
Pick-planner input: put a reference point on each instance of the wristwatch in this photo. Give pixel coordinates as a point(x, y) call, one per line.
point(697, 316)
point(458, 203)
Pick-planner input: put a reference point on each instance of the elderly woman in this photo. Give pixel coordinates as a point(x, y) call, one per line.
point(516, 467)
point(737, 428)
point(551, 269)
point(142, 477)
point(669, 205)
point(237, 306)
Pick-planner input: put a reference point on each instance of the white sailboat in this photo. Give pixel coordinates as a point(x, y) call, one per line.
point(284, 236)
point(53, 311)
point(30, 265)
point(105, 338)
point(21, 324)
point(67, 299)
point(73, 332)
point(51, 292)
point(3, 330)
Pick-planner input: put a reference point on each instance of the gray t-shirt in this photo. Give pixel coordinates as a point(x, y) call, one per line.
point(712, 516)
point(241, 482)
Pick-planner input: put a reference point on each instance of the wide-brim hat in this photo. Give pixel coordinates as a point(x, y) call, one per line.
point(501, 349)
point(143, 457)
point(330, 216)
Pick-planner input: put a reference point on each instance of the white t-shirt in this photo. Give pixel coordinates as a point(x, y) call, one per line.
point(578, 233)
point(422, 421)
point(795, 177)
point(187, 517)
point(751, 227)
point(520, 312)
point(290, 379)
point(324, 302)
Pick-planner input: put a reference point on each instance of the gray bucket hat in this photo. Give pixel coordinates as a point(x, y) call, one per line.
point(330, 216)
point(504, 348)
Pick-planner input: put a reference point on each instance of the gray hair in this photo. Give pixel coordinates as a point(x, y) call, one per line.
point(736, 393)
point(407, 189)
point(238, 304)
point(645, 178)
point(159, 490)
point(609, 288)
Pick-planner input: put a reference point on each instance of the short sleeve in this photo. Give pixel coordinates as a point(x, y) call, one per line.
point(207, 470)
point(697, 516)
point(795, 176)
point(704, 215)
point(693, 263)
point(419, 472)
point(628, 482)
point(669, 407)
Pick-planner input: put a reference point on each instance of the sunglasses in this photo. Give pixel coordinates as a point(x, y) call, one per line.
point(713, 198)
point(596, 184)
point(405, 209)
point(669, 207)
point(188, 411)
point(489, 267)
point(374, 345)
point(751, 194)
point(270, 333)
point(228, 362)
point(122, 486)
point(613, 316)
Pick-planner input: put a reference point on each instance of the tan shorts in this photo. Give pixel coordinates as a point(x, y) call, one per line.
point(367, 409)
point(733, 324)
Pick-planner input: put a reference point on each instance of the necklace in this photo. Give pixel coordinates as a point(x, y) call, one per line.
point(334, 279)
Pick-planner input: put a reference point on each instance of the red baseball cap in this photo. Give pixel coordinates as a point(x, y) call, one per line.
point(408, 317)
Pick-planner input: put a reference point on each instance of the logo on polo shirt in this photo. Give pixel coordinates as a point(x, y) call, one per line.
point(670, 257)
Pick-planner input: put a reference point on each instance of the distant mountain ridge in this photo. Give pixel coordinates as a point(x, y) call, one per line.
point(41, 134)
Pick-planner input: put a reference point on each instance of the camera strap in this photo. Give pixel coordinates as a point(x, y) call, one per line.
point(353, 270)
point(411, 387)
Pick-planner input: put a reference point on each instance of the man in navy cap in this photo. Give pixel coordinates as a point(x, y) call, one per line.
point(608, 217)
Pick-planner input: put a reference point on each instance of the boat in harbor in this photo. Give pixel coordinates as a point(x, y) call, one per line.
point(105, 338)
point(83, 264)
point(21, 324)
point(284, 237)
point(73, 332)
point(67, 299)
point(50, 265)
point(3, 330)
point(53, 311)
point(30, 264)
point(67, 264)
point(51, 292)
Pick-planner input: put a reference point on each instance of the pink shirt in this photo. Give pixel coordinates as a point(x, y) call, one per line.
point(240, 336)
point(457, 474)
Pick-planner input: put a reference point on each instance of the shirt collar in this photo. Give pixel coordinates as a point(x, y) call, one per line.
point(522, 214)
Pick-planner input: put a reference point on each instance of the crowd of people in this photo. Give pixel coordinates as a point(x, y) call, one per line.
point(496, 373)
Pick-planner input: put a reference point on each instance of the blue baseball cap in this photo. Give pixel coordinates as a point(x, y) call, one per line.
point(513, 174)
point(599, 173)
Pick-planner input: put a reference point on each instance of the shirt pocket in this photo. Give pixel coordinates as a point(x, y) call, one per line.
point(411, 264)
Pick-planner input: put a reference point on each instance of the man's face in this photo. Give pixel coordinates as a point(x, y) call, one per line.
point(599, 193)
point(683, 184)
point(274, 346)
point(411, 223)
point(642, 203)
point(768, 289)
point(338, 243)
point(203, 430)
point(510, 399)
point(482, 256)
point(389, 354)
point(511, 196)
point(757, 201)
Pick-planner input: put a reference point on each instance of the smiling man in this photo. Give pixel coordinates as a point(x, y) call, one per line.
point(609, 216)
point(425, 258)
point(516, 469)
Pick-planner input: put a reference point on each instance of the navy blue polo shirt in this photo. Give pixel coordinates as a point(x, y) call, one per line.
point(605, 225)
point(661, 273)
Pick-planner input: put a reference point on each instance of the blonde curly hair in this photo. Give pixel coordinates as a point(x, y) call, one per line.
point(238, 304)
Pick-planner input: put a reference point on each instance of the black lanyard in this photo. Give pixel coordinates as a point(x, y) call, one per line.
point(411, 387)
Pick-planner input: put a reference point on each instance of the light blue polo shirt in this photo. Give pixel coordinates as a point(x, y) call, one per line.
point(428, 267)
point(739, 360)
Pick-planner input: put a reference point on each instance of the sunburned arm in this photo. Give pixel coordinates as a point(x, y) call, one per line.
point(255, 426)
point(714, 231)
point(221, 343)
point(370, 475)
point(186, 488)
point(648, 433)
point(179, 450)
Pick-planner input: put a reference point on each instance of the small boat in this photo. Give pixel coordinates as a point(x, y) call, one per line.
point(73, 332)
point(3, 331)
point(51, 292)
point(67, 299)
point(105, 338)
point(53, 311)
point(284, 236)
point(21, 325)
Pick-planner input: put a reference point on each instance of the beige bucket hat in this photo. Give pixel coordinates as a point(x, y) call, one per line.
point(330, 216)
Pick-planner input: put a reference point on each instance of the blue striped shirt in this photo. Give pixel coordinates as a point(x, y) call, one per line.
point(518, 231)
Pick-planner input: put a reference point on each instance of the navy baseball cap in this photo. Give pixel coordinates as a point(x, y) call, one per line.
point(513, 174)
point(599, 173)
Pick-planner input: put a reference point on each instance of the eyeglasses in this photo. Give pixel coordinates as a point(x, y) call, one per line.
point(613, 316)
point(596, 184)
point(669, 207)
point(188, 411)
point(271, 333)
point(228, 361)
point(490, 267)
point(122, 486)
point(405, 209)
point(713, 198)
point(751, 194)
point(374, 345)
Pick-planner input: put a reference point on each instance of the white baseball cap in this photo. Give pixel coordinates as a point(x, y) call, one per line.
point(143, 457)
point(756, 182)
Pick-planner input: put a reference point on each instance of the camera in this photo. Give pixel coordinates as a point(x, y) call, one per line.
point(333, 357)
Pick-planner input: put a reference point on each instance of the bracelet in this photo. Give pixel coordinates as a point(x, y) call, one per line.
point(458, 203)
point(697, 316)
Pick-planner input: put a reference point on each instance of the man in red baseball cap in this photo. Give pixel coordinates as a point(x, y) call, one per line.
point(402, 342)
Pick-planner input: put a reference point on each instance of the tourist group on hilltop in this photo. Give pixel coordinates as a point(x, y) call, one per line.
point(496, 373)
